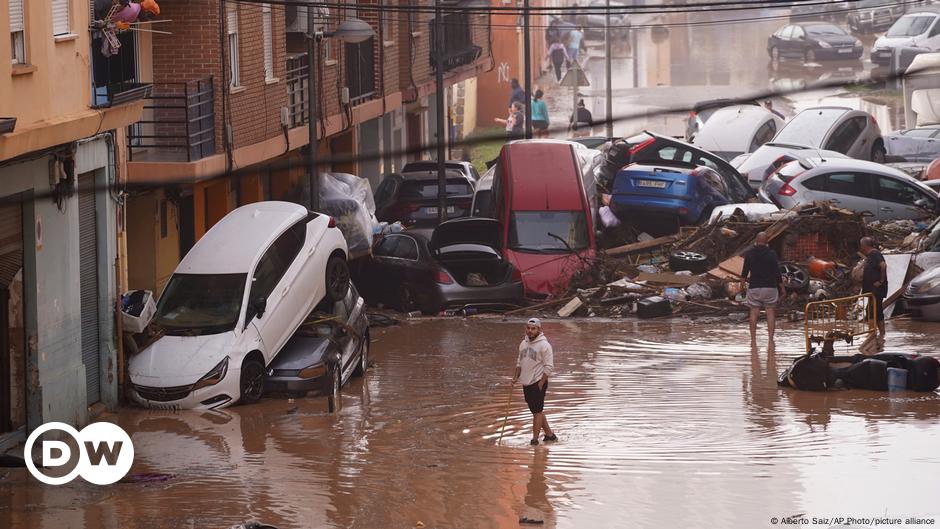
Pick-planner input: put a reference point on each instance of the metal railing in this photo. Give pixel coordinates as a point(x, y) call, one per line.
point(298, 75)
point(178, 124)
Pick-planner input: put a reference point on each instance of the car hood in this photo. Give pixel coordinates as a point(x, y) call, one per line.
point(301, 352)
point(179, 360)
point(922, 279)
point(893, 42)
point(471, 230)
point(547, 274)
point(835, 40)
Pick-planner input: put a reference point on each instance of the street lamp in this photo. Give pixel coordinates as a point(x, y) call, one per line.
point(350, 31)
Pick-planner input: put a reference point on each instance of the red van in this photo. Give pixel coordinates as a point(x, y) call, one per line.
point(539, 198)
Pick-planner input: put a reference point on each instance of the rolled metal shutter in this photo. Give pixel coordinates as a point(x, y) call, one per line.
point(11, 243)
point(16, 15)
point(88, 285)
point(60, 17)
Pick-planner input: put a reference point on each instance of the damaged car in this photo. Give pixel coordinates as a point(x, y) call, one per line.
point(461, 265)
point(922, 297)
point(233, 302)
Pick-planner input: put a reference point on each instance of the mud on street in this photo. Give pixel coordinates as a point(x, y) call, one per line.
point(661, 424)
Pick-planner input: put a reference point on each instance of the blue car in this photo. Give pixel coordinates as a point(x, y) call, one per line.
point(660, 194)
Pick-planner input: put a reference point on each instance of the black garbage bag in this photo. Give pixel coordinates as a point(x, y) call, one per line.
point(870, 373)
point(809, 372)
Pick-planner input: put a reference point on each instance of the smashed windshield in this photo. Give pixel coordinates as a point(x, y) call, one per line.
point(548, 231)
point(195, 304)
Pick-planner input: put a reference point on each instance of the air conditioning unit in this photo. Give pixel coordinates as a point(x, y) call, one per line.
point(295, 19)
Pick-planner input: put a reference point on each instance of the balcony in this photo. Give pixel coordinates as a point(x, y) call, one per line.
point(178, 123)
point(114, 79)
point(298, 75)
point(360, 71)
point(459, 49)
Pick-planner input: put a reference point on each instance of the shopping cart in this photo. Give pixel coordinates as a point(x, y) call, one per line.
point(839, 319)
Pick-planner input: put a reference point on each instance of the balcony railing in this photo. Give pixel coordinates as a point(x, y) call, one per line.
point(178, 124)
point(360, 71)
point(298, 75)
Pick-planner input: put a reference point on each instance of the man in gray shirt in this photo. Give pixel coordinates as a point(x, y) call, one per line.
point(534, 365)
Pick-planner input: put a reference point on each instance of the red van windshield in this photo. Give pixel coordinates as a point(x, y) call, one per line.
point(548, 231)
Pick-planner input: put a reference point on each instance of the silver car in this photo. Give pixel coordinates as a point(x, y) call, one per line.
point(922, 297)
point(857, 185)
point(921, 144)
point(854, 133)
point(769, 157)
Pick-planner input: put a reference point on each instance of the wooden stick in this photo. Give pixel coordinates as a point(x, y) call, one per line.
point(506, 419)
point(539, 306)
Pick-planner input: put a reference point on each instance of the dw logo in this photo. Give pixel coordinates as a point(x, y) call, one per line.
point(105, 453)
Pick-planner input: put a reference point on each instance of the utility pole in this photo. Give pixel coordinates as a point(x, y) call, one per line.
point(441, 114)
point(636, 57)
point(607, 73)
point(312, 175)
point(527, 61)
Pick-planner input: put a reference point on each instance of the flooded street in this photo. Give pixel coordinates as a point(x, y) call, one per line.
point(661, 424)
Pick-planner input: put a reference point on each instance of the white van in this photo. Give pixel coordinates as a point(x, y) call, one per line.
point(919, 29)
point(234, 301)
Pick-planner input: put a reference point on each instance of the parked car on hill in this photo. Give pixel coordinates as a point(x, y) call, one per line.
point(854, 133)
point(412, 196)
point(461, 265)
point(735, 130)
point(865, 187)
point(234, 301)
point(918, 29)
point(813, 41)
point(325, 352)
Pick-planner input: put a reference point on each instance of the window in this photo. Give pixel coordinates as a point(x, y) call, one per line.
point(407, 248)
point(200, 303)
point(389, 21)
point(851, 184)
point(231, 23)
point(920, 133)
point(712, 180)
point(548, 231)
point(764, 134)
point(385, 247)
point(816, 183)
point(936, 29)
point(787, 32)
point(418, 189)
point(60, 17)
point(17, 32)
point(277, 260)
point(891, 190)
point(267, 32)
point(845, 135)
point(798, 33)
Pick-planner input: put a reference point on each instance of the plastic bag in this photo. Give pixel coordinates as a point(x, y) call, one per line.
point(699, 291)
point(349, 200)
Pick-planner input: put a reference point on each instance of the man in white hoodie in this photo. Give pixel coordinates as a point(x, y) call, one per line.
point(534, 365)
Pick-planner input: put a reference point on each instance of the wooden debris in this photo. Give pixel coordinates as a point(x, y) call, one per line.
point(668, 279)
point(570, 308)
point(639, 246)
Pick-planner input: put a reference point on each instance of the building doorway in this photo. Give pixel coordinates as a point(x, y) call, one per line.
point(12, 326)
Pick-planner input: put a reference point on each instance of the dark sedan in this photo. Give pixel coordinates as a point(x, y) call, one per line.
point(412, 196)
point(812, 41)
point(460, 266)
point(328, 349)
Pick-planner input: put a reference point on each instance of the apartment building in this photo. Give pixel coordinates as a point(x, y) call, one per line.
point(64, 110)
point(227, 121)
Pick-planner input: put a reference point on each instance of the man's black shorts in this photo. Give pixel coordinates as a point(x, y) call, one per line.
point(535, 397)
point(877, 308)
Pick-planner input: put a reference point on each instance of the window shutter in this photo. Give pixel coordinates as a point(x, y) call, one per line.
point(60, 17)
point(231, 19)
point(16, 15)
point(267, 30)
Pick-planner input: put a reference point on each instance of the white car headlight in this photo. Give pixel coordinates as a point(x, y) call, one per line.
point(824, 44)
point(214, 376)
point(929, 285)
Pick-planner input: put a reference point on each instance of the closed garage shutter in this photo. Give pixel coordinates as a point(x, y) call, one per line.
point(11, 242)
point(88, 272)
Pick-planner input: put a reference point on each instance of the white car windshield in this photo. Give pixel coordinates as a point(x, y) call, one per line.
point(195, 304)
point(548, 231)
point(910, 26)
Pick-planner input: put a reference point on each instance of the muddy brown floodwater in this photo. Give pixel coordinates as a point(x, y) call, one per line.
point(661, 425)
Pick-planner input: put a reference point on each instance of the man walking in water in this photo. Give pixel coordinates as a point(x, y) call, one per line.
point(875, 282)
point(764, 286)
point(533, 367)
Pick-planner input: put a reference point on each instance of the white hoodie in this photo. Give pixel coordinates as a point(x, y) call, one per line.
point(535, 359)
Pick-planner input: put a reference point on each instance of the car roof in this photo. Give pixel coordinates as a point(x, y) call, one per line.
point(235, 242)
point(731, 128)
point(544, 175)
point(431, 165)
point(431, 174)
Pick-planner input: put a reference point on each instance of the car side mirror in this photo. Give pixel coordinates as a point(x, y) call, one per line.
point(258, 306)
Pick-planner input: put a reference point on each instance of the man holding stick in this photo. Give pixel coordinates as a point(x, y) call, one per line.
point(534, 365)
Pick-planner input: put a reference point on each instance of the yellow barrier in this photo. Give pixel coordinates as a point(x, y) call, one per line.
point(842, 318)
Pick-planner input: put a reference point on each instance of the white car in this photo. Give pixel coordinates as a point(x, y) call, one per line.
point(735, 130)
point(919, 29)
point(234, 301)
point(769, 157)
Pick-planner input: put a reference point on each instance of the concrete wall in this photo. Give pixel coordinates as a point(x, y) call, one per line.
point(56, 374)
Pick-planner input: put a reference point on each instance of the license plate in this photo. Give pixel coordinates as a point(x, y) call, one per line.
point(651, 183)
point(433, 210)
point(164, 407)
point(845, 50)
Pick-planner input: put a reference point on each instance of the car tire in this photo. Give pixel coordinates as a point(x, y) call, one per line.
point(795, 279)
point(775, 53)
point(251, 381)
point(878, 152)
point(337, 278)
point(691, 261)
point(363, 356)
point(809, 56)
